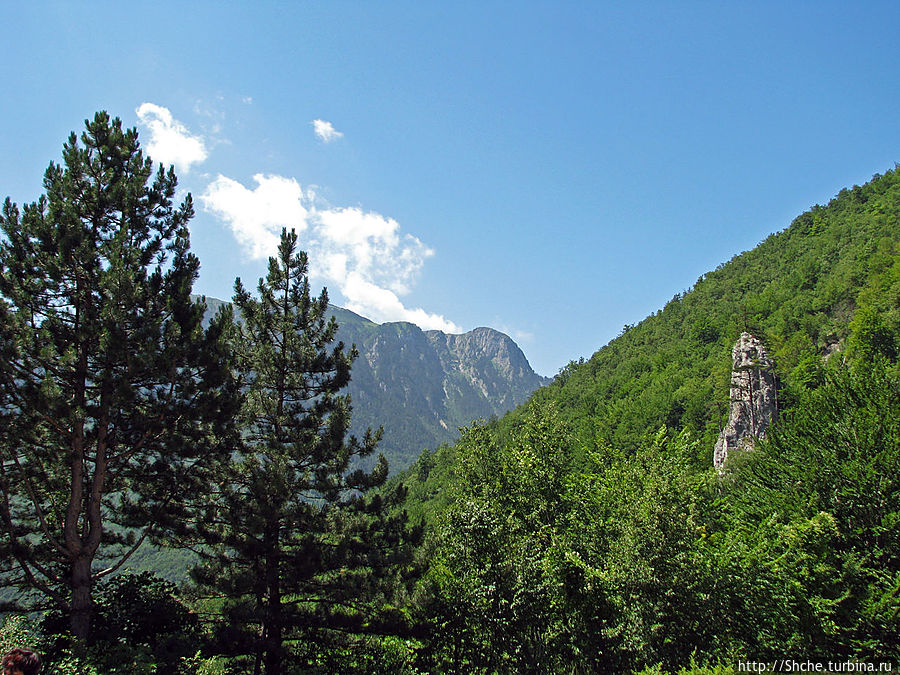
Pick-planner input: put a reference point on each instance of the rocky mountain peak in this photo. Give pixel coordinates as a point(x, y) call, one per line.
point(421, 386)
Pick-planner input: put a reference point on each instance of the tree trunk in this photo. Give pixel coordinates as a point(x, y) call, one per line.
point(81, 608)
point(274, 620)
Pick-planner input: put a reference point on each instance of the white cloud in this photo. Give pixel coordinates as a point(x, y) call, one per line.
point(257, 216)
point(381, 304)
point(364, 254)
point(372, 263)
point(170, 141)
point(374, 245)
point(326, 131)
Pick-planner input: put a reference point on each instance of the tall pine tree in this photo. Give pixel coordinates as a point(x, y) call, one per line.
point(114, 401)
point(302, 551)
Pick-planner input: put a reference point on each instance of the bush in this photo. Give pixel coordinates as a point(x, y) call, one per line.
point(140, 627)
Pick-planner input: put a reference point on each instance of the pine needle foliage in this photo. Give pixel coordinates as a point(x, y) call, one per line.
point(300, 550)
point(113, 398)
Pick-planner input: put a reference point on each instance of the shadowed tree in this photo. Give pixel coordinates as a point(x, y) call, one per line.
point(113, 398)
point(300, 548)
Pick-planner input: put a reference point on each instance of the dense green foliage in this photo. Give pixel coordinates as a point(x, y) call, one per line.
point(125, 421)
point(585, 532)
point(551, 559)
point(114, 401)
point(588, 532)
point(823, 289)
point(299, 551)
point(141, 627)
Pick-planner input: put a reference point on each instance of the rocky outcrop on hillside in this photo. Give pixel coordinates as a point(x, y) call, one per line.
point(753, 399)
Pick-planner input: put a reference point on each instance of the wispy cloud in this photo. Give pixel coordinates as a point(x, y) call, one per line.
point(170, 141)
point(517, 334)
point(363, 253)
point(326, 131)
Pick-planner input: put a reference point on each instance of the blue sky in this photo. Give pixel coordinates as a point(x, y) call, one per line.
point(552, 170)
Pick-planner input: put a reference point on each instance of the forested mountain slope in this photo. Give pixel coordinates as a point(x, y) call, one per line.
point(587, 531)
point(798, 291)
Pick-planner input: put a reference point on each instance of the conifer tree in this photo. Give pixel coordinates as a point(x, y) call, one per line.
point(301, 550)
point(114, 401)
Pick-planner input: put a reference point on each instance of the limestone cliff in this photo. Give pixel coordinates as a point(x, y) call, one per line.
point(753, 399)
point(421, 386)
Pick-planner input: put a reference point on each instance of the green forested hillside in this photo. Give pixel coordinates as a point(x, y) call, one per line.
point(798, 291)
point(584, 532)
point(587, 531)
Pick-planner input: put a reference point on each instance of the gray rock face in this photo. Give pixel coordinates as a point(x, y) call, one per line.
point(421, 386)
point(753, 399)
point(488, 363)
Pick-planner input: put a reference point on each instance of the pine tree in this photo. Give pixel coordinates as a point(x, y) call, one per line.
point(301, 548)
point(114, 401)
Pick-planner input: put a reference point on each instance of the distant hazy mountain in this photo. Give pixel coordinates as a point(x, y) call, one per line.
point(421, 386)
